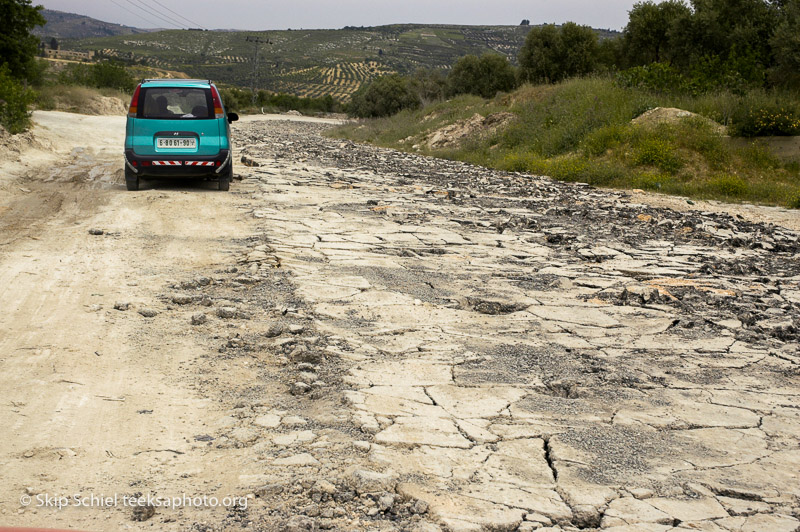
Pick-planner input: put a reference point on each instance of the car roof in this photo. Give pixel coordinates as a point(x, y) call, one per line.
point(194, 83)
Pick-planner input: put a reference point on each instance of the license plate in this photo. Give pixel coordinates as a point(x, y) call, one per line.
point(177, 142)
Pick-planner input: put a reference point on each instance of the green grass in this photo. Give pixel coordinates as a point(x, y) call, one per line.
point(581, 131)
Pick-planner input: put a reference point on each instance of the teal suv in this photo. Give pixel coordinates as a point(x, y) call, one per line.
point(178, 128)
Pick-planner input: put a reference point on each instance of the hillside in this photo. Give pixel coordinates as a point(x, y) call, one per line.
point(310, 63)
point(63, 25)
point(593, 130)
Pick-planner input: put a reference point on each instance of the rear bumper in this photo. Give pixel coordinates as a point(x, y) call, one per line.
point(177, 165)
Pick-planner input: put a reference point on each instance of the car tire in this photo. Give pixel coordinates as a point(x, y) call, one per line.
point(131, 179)
point(225, 178)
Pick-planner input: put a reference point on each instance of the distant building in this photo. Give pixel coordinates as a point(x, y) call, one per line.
point(68, 54)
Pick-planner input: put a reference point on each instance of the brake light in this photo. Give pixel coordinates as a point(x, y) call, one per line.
point(217, 103)
point(134, 102)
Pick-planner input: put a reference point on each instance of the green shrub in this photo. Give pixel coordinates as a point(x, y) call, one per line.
point(384, 96)
point(794, 200)
point(109, 75)
point(235, 99)
point(657, 151)
point(601, 140)
point(726, 185)
point(483, 76)
point(653, 181)
point(767, 121)
point(552, 53)
point(105, 75)
point(657, 77)
point(14, 101)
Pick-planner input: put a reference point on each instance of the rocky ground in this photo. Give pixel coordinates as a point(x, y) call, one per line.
point(362, 339)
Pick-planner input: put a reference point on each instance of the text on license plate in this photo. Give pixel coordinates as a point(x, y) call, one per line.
point(178, 142)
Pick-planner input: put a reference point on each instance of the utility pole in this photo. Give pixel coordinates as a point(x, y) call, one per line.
point(256, 40)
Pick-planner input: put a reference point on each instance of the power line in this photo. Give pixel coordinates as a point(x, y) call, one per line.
point(149, 21)
point(195, 24)
point(159, 16)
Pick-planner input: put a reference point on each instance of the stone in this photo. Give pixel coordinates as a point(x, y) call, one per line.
point(148, 312)
point(293, 421)
point(303, 459)
point(423, 431)
point(464, 513)
point(323, 486)
point(182, 299)
point(275, 330)
point(243, 435)
point(96, 232)
point(226, 313)
point(385, 502)
point(268, 421)
point(425, 526)
point(305, 436)
point(122, 305)
point(367, 481)
point(629, 511)
point(143, 512)
point(689, 509)
point(735, 506)
point(199, 318)
point(468, 403)
point(419, 507)
point(362, 446)
point(299, 388)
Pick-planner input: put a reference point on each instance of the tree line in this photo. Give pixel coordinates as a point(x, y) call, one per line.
point(671, 46)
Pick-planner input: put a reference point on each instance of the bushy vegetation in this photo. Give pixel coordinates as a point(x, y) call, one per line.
point(14, 101)
point(552, 53)
point(17, 46)
point(581, 130)
point(483, 76)
point(18, 66)
point(707, 45)
point(384, 96)
point(241, 100)
point(105, 75)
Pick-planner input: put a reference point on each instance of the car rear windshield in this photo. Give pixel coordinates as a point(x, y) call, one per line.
point(175, 103)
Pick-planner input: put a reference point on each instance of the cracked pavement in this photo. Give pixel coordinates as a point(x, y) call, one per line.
point(362, 339)
point(526, 354)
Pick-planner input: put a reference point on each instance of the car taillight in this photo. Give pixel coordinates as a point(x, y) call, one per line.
point(217, 103)
point(134, 102)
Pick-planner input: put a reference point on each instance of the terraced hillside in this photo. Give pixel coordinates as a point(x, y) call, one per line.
point(309, 62)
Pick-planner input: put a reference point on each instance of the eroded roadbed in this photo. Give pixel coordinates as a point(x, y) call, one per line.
point(369, 340)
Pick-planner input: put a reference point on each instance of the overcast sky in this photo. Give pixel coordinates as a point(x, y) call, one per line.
point(307, 14)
